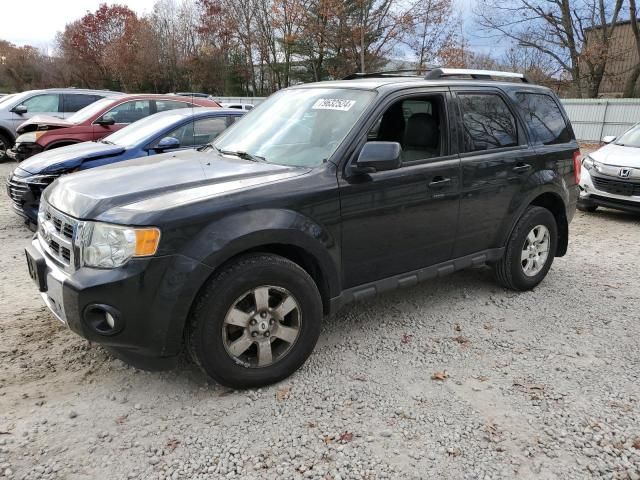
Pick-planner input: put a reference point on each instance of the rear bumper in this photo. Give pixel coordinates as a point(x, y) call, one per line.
point(149, 300)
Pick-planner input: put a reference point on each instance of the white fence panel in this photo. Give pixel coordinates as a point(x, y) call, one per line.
point(592, 119)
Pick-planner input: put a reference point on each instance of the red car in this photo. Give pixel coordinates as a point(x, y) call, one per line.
point(94, 121)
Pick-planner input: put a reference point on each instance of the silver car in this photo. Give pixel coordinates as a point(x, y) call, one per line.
point(57, 102)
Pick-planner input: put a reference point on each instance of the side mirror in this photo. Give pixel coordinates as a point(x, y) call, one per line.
point(106, 120)
point(608, 139)
point(378, 157)
point(20, 109)
point(167, 143)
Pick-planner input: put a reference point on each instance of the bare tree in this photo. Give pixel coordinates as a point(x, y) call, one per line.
point(632, 80)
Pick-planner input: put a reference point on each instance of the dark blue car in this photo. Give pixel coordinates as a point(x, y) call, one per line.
point(162, 132)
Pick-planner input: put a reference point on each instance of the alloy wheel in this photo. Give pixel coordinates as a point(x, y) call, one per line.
point(535, 250)
point(261, 326)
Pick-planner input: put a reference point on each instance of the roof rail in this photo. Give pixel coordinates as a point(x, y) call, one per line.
point(388, 73)
point(438, 73)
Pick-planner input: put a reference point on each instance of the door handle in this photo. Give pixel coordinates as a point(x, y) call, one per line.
point(439, 181)
point(521, 167)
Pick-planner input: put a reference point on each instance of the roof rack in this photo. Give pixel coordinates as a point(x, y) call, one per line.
point(438, 73)
point(389, 73)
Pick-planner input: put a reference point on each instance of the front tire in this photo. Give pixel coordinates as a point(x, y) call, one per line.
point(530, 250)
point(255, 322)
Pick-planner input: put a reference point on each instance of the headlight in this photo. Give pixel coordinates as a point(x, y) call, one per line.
point(42, 180)
point(109, 246)
point(588, 163)
point(29, 137)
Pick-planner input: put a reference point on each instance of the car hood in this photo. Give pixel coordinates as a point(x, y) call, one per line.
point(124, 189)
point(69, 157)
point(43, 120)
point(618, 156)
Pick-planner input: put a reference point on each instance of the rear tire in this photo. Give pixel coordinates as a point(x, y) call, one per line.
point(530, 250)
point(255, 322)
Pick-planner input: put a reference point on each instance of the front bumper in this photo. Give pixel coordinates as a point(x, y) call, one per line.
point(148, 298)
point(25, 197)
point(21, 151)
point(610, 192)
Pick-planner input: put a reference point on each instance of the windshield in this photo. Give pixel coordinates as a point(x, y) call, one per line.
point(90, 110)
point(631, 138)
point(140, 131)
point(299, 127)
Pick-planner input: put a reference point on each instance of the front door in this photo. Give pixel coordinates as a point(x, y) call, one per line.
point(401, 220)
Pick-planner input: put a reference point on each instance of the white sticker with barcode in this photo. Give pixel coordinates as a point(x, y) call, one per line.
point(333, 104)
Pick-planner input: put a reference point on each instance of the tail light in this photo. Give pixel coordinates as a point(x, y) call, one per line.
point(577, 166)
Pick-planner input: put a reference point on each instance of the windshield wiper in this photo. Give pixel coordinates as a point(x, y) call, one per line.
point(242, 155)
point(107, 142)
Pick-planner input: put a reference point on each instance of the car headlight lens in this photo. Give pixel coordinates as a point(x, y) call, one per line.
point(42, 180)
point(29, 137)
point(589, 163)
point(110, 246)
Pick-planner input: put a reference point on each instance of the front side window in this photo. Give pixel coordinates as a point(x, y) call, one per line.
point(164, 105)
point(544, 117)
point(77, 101)
point(129, 112)
point(43, 103)
point(488, 123)
point(416, 124)
point(300, 127)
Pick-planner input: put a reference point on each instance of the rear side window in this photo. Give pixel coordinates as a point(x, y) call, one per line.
point(542, 114)
point(488, 122)
point(72, 102)
point(164, 105)
point(129, 112)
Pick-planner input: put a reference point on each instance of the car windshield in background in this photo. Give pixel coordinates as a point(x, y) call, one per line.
point(299, 127)
point(141, 130)
point(90, 110)
point(631, 138)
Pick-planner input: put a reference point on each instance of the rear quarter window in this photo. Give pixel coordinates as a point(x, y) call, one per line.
point(544, 118)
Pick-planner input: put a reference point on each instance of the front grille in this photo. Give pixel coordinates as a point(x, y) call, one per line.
point(56, 232)
point(17, 189)
point(618, 187)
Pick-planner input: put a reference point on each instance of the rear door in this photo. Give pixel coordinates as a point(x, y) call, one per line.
point(405, 219)
point(123, 114)
point(496, 160)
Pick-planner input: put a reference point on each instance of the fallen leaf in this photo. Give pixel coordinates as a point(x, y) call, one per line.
point(457, 327)
point(359, 378)
point(172, 444)
point(462, 340)
point(405, 338)
point(454, 452)
point(327, 439)
point(346, 437)
point(440, 375)
point(312, 424)
point(488, 326)
point(636, 444)
point(121, 419)
point(283, 393)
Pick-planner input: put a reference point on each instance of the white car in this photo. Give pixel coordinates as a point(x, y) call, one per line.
point(611, 175)
point(239, 106)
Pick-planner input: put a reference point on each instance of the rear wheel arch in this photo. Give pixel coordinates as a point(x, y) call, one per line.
point(554, 203)
point(7, 134)
point(60, 143)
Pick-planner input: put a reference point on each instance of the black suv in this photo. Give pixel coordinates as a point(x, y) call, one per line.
point(325, 193)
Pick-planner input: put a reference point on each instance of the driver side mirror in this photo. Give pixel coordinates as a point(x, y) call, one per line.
point(608, 139)
point(20, 109)
point(378, 157)
point(167, 143)
point(106, 120)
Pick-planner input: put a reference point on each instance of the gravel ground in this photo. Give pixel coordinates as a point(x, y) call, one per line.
point(455, 378)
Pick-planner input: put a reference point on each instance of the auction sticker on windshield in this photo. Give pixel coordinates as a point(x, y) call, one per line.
point(333, 104)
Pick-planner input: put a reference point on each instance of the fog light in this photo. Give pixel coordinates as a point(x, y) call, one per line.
point(103, 319)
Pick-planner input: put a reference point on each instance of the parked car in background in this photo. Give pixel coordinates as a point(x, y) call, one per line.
point(193, 94)
point(55, 102)
point(325, 194)
point(239, 106)
point(163, 132)
point(611, 175)
point(94, 122)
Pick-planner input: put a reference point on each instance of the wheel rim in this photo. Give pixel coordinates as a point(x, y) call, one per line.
point(535, 250)
point(3, 148)
point(261, 326)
